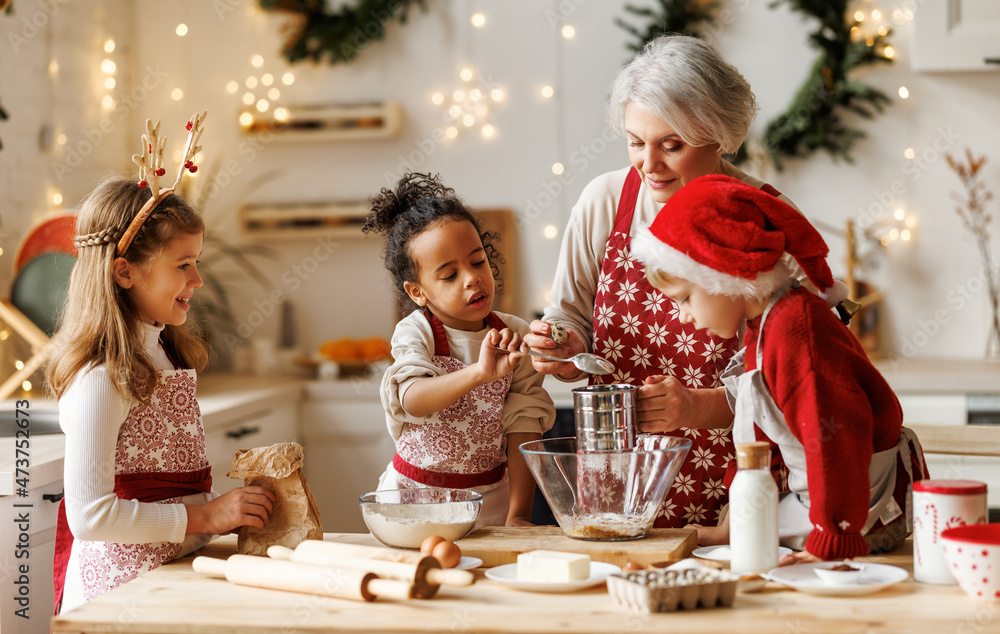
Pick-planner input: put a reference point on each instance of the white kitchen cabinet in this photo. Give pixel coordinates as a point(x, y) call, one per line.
point(241, 412)
point(946, 392)
point(956, 35)
point(951, 409)
point(267, 426)
point(27, 544)
point(942, 409)
point(347, 448)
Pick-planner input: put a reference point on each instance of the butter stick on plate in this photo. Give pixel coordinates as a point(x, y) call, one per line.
point(551, 566)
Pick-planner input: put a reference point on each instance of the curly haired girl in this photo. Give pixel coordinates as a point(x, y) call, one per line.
point(458, 400)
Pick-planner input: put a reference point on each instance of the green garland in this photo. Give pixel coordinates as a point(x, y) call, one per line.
point(339, 35)
point(814, 119)
point(673, 16)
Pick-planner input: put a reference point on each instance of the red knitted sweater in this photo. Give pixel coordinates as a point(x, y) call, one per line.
point(838, 406)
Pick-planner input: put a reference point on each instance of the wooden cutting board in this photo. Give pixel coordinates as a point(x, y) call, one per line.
point(498, 545)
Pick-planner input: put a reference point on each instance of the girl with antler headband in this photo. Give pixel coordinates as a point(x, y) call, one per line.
point(123, 365)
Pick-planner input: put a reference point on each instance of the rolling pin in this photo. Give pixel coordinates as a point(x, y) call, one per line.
point(424, 572)
point(262, 572)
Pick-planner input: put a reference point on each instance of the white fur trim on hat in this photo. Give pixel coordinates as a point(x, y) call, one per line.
point(649, 250)
point(835, 294)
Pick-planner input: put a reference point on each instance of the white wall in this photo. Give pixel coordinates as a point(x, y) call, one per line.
point(520, 50)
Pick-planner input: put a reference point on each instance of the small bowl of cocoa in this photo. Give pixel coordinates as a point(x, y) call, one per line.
point(840, 573)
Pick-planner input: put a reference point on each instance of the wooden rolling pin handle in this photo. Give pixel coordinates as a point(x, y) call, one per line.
point(376, 587)
point(339, 549)
point(390, 589)
point(210, 566)
point(450, 577)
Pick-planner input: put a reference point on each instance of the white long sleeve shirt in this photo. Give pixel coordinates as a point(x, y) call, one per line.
point(91, 413)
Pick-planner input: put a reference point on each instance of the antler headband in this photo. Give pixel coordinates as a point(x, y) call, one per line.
point(150, 164)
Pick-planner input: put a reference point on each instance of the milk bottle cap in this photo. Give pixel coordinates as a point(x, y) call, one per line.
point(753, 455)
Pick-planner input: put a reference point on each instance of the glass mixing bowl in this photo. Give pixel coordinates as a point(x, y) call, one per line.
point(605, 495)
point(404, 518)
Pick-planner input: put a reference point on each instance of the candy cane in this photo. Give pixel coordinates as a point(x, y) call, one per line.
point(933, 510)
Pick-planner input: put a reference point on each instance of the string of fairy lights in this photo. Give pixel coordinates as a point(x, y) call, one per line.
point(261, 89)
point(467, 107)
point(872, 20)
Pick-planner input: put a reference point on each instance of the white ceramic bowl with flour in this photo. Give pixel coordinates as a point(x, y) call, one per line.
point(404, 518)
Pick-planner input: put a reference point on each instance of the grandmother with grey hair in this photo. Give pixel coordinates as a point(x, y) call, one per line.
point(681, 107)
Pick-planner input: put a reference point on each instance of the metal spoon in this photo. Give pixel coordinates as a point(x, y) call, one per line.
point(589, 363)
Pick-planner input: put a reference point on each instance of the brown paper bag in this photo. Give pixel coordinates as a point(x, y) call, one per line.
point(295, 517)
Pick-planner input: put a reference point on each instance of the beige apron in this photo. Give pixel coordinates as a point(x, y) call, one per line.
point(752, 404)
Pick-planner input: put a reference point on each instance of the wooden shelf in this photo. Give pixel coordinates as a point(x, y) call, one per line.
point(344, 219)
point(332, 122)
point(302, 220)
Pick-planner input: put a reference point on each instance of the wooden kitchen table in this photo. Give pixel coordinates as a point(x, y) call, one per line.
point(174, 598)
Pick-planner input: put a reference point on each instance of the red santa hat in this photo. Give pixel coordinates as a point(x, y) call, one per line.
point(731, 238)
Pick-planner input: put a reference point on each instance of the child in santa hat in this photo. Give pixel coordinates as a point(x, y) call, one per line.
point(724, 252)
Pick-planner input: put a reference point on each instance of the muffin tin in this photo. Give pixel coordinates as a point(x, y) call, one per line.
point(666, 590)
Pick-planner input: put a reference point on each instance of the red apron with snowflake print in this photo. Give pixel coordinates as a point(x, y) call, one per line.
point(637, 328)
point(160, 452)
point(461, 446)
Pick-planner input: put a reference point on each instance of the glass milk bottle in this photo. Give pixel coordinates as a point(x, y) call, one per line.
point(753, 511)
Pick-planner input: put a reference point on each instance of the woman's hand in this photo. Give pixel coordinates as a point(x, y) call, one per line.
point(663, 404)
point(540, 340)
point(493, 363)
point(245, 506)
point(801, 557)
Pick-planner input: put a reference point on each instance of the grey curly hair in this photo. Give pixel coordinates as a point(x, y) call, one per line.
point(690, 87)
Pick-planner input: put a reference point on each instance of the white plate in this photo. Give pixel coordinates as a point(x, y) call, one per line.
point(507, 575)
point(803, 578)
point(468, 563)
point(751, 585)
point(723, 553)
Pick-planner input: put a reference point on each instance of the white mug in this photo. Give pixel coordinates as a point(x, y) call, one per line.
point(265, 357)
point(937, 505)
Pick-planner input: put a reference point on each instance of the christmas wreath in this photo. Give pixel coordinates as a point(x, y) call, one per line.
point(813, 121)
point(338, 35)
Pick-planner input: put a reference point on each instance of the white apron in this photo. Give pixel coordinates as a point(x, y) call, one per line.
point(163, 435)
point(752, 403)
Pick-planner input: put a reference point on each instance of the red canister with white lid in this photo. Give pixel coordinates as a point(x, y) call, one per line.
point(937, 505)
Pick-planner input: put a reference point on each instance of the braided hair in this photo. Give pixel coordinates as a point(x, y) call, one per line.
point(418, 202)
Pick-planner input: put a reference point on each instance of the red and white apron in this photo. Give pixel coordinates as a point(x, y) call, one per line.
point(462, 446)
point(160, 458)
point(637, 328)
